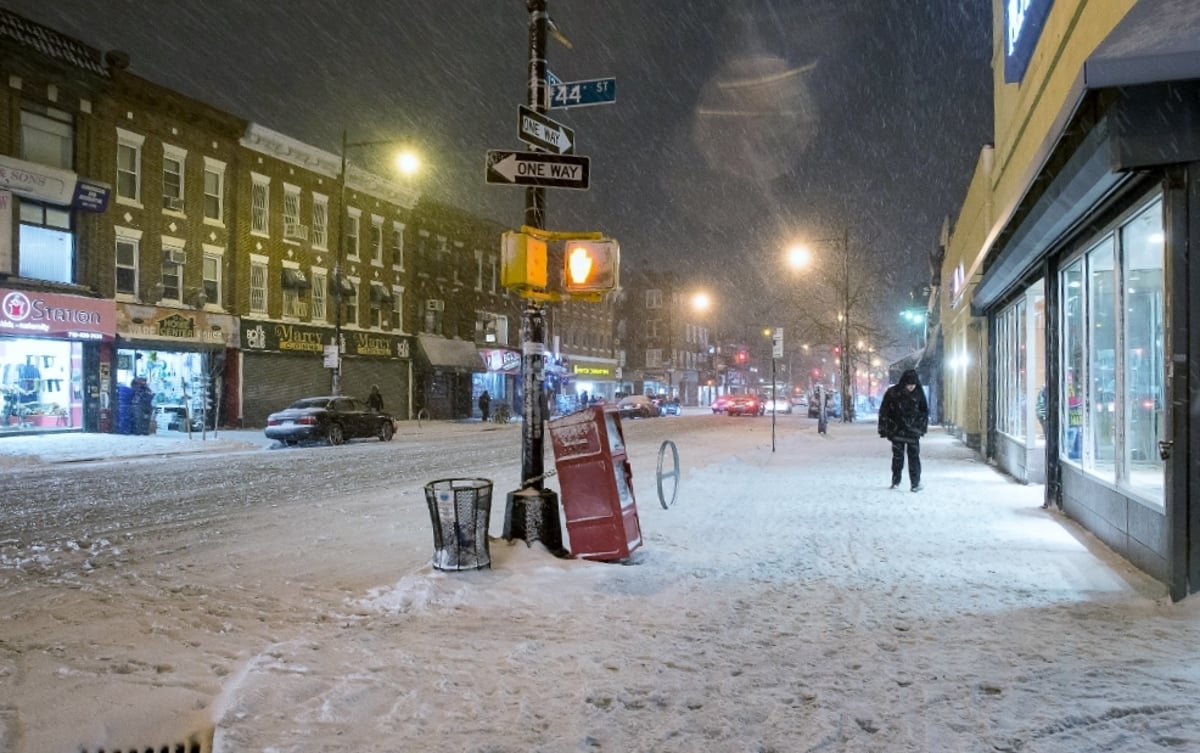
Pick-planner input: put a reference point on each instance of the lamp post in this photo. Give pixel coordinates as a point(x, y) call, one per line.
point(407, 163)
point(799, 257)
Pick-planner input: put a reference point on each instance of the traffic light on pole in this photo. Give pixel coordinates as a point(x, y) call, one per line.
point(590, 266)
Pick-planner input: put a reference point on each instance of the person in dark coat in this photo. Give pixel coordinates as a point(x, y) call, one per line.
point(485, 406)
point(903, 420)
point(375, 399)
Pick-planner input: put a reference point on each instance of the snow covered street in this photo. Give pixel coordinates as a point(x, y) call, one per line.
point(789, 601)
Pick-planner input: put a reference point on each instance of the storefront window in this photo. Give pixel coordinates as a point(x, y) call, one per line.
point(1113, 356)
point(1101, 394)
point(1071, 402)
point(41, 384)
point(1142, 269)
point(179, 385)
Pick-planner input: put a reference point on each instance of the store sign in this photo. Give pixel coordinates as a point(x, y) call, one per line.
point(1023, 22)
point(36, 181)
point(173, 325)
point(592, 371)
point(286, 337)
point(53, 315)
point(501, 359)
point(90, 196)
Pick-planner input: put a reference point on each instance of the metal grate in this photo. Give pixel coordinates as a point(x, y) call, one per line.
point(195, 743)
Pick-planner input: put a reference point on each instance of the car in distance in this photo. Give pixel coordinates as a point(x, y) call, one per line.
point(668, 406)
point(779, 404)
point(718, 405)
point(637, 406)
point(333, 418)
point(745, 405)
point(833, 406)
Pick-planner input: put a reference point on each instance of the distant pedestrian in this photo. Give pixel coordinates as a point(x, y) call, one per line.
point(583, 399)
point(485, 406)
point(822, 409)
point(375, 400)
point(903, 420)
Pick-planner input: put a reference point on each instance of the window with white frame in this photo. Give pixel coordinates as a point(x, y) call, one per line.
point(350, 301)
point(352, 219)
point(398, 308)
point(493, 274)
point(398, 245)
point(478, 269)
point(129, 165)
point(376, 239)
point(654, 299)
point(379, 299)
point(174, 160)
point(292, 289)
point(214, 190)
point(258, 284)
point(320, 294)
point(173, 259)
point(320, 222)
point(654, 359)
point(260, 204)
point(210, 274)
point(48, 138)
point(291, 213)
point(129, 242)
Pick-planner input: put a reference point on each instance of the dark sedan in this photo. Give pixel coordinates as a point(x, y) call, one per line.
point(637, 406)
point(334, 419)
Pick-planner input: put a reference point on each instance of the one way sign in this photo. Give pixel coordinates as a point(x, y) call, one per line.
point(538, 169)
point(537, 130)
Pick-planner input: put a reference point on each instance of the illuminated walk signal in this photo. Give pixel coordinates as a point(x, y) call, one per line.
point(590, 266)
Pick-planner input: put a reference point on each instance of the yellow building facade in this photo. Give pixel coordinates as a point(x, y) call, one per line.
point(1069, 352)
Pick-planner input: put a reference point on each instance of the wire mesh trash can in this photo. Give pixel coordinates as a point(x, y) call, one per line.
point(460, 509)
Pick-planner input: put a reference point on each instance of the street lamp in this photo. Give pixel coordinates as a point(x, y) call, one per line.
point(407, 163)
point(799, 257)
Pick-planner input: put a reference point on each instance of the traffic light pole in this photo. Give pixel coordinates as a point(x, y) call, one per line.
point(533, 322)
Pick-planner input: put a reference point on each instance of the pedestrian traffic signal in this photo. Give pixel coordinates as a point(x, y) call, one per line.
point(742, 356)
point(522, 261)
point(590, 266)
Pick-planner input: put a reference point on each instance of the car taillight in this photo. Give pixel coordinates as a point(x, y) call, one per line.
point(272, 422)
point(307, 420)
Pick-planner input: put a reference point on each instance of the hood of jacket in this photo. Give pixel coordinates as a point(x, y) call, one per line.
point(910, 377)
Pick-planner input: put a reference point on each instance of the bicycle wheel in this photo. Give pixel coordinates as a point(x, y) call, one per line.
point(668, 481)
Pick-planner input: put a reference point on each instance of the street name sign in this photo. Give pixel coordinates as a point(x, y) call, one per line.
point(538, 169)
point(537, 130)
point(596, 91)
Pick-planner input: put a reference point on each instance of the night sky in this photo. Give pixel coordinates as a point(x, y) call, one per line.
point(739, 126)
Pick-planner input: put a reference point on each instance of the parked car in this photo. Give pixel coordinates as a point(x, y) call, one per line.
point(745, 405)
point(668, 406)
point(332, 418)
point(779, 404)
point(637, 406)
point(718, 405)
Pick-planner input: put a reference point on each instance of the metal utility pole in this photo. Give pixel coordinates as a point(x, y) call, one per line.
point(847, 398)
point(343, 215)
point(533, 321)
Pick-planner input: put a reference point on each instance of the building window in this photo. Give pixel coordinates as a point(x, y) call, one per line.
point(398, 309)
point(380, 300)
point(398, 245)
point(258, 286)
point(320, 294)
point(260, 204)
point(214, 190)
point(293, 286)
point(292, 229)
point(48, 138)
point(172, 273)
point(352, 233)
point(211, 276)
point(654, 359)
point(478, 269)
point(129, 165)
point(320, 222)
point(128, 245)
point(174, 159)
point(47, 245)
point(376, 240)
point(350, 300)
point(653, 299)
point(1113, 375)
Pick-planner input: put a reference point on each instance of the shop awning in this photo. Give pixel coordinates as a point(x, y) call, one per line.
point(448, 354)
point(295, 279)
point(1156, 41)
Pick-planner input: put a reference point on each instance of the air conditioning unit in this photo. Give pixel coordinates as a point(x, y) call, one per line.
point(174, 256)
point(435, 304)
point(173, 203)
point(295, 232)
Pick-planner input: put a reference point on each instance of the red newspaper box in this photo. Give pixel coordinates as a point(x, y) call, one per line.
point(596, 483)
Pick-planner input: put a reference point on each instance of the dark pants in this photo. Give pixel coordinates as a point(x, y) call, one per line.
point(913, 448)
